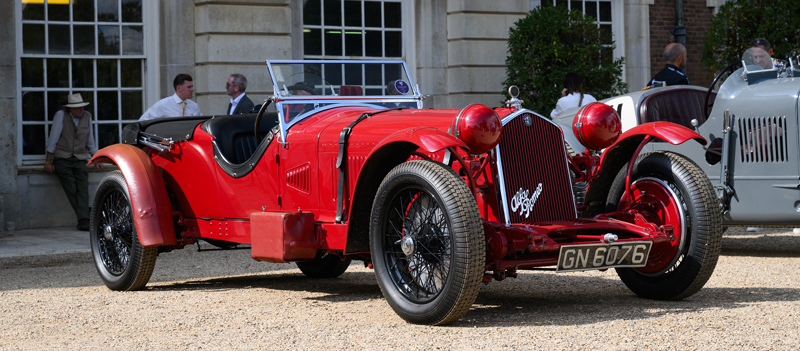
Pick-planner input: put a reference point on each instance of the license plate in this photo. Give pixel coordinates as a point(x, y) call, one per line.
point(601, 256)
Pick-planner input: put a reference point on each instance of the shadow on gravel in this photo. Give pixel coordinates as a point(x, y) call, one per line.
point(767, 243)
point(565, 300)
point(54, 260)
point(355, 286)
point(533, 299)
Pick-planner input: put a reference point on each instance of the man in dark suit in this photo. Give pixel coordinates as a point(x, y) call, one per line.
point(240, 103)
point(672, 74)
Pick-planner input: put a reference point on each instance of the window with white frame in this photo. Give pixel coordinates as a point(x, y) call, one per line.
point(601, 10)
point(91, 47)
point(359, 29)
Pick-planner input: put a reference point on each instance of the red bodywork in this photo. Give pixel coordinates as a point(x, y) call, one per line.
point(597, 125)
point(286, 206)
point(149, 199)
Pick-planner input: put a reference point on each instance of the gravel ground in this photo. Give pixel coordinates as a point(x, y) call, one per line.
point(225, 300)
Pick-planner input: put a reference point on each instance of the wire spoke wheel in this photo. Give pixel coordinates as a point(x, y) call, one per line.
point(121, 260)
point(115, 239)
point(427, 243)
point(417, 245)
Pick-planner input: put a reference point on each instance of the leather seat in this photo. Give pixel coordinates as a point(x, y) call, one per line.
point(234, 135)
point(349, 90)
point(678, 106)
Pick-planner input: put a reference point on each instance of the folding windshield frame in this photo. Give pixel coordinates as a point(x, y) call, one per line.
point(324, 102)
point(794, 71)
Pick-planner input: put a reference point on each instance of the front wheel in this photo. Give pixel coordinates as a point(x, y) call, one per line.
point(427, 243)
point(669, 189)
point(121, 260)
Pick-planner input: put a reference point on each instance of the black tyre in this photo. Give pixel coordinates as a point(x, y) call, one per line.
point(325, 265)
point(670, 189)
point(427, 243)
point(123, 263)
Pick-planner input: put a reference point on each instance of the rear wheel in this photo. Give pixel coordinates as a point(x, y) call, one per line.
point(325, 265)
point(669, 189)
point(121, 260)
point(427, 243)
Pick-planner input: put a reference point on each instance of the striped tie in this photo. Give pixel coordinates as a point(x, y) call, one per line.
point(183, 108)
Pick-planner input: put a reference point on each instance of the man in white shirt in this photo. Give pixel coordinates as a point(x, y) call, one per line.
point(177, 105)
point(235, 88)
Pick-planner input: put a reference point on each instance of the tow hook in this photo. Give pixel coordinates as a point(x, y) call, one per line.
point(609, 238)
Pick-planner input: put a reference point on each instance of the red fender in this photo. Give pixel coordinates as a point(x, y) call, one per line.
point(149, 200)
point(670, 132)
point(427, 138)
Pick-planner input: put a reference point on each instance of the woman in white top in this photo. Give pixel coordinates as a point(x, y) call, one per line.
point(572, 95)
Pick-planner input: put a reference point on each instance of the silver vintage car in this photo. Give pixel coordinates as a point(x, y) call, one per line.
point(751, 124)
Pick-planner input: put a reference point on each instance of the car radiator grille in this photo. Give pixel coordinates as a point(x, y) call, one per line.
point(532, 166)
point(762, 139)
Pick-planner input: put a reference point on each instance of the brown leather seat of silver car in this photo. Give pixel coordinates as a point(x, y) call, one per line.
point(678, 106)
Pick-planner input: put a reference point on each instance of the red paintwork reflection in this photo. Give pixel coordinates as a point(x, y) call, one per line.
point(148, 196)
point(670, 132)
point(655, 202)
point(597, 126)
point(479, 127)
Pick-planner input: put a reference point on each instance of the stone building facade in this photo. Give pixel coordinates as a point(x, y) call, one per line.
point(122, 56)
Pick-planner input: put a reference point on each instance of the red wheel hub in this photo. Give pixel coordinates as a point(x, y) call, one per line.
point(654, 200)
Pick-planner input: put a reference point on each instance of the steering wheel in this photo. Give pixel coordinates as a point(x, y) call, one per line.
point(713, 83)
point(258, 118)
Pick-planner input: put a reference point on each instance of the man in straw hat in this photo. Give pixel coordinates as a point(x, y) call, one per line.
point(69, 148)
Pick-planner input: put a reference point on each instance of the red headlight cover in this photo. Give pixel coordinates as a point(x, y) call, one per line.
point(597, 126)
point(479, 127)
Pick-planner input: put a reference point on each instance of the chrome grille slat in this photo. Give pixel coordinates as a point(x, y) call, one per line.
point(527, 157)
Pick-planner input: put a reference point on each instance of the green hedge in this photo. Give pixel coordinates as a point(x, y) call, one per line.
point(738, 22)
point(549, 43)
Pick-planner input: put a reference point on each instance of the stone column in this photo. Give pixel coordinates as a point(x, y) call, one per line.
point(637, 43)
point(431, 50)
point(232, 36)
point(477, 46)
point(9, 190)
point(176, 42)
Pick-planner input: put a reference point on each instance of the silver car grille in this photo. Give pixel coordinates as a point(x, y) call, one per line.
point(762, 139)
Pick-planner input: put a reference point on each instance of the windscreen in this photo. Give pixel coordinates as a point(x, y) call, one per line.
point(340, 79)
point(304, 87)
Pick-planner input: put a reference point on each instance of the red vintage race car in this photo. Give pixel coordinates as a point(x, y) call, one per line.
point(437, 201)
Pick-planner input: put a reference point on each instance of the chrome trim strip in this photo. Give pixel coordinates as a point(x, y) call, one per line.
point(456, 133)
point(516, 113)
point(579, 123)
point(156, 142)
point(334, 104)
point(502, 184)
point(156, 146)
